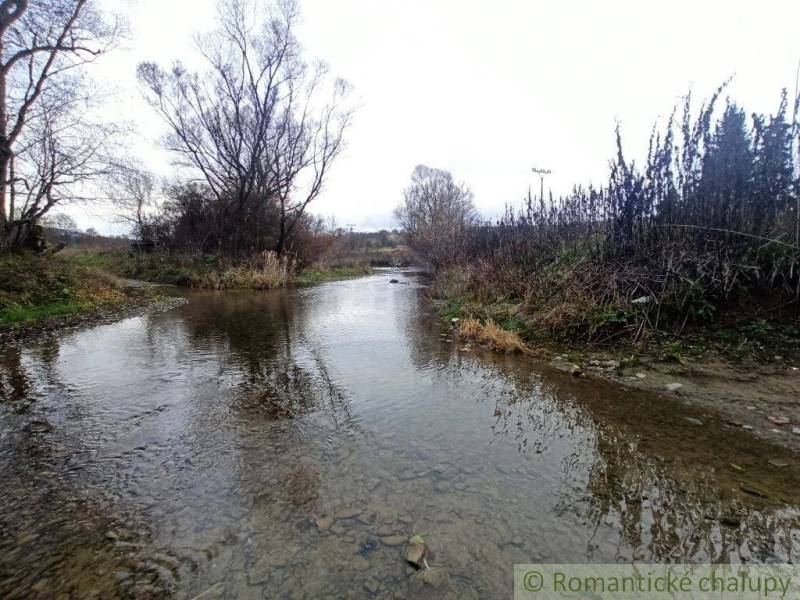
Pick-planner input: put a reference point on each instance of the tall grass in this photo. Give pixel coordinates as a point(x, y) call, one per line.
point(706, 228)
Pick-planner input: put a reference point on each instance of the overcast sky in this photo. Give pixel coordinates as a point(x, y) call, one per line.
point(488, 89)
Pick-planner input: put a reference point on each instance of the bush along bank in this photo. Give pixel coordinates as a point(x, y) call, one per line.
point(696, 251)
point(262, 272)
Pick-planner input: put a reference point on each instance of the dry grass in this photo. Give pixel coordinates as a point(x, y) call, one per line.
point(491, 335)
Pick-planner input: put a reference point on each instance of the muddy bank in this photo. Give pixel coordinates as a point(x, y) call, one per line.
point(758, 396)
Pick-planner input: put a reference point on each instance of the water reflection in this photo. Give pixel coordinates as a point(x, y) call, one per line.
point(280, 444)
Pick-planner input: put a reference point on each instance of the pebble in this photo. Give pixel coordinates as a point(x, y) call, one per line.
point(372, 585)
point(436, 577)
point(348, 512)
point(672, 387)
point(323, 523)
point(415, 552)
point(394, 540)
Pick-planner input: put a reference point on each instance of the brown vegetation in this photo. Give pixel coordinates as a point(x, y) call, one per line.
point(706, 234)
point(494, 337)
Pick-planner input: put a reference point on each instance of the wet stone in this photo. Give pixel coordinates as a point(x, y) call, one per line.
point(372, 585)
point(415, 552)
point(348, 512)
point(323, 523)
point(394, 540)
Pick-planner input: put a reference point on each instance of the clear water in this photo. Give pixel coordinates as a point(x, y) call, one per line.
point(279, 444)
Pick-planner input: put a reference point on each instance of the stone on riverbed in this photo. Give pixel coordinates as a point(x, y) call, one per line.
point(673, 387)
point(393, 540)
point(435, 577)
point(324, 522)
point(348, 512)
point(416, 550)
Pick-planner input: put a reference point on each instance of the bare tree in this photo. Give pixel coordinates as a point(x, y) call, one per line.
point(257, 126)
point(131, 189)
point(60, 221)
point(437, 215)
point(49, 150)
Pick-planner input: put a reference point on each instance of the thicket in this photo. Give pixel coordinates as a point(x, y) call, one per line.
point(706, 230)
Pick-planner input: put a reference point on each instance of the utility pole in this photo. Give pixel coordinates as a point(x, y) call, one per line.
point(541, 173)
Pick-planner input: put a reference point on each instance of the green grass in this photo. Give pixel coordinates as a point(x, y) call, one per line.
point(35, 288)
point(15, 315)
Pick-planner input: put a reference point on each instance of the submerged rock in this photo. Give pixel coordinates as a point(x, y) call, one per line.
point(39, 427)
point(324, 522)
point(435, 577)
point(393, 540)
point(393, 281)
point(416, 551)
point(673, 387)
point(372, 585)
point(348, 512)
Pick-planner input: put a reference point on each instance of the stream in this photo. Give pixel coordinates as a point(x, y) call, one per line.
point(286, 444)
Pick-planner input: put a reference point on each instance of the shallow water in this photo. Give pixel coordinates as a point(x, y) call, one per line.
point(279, 444)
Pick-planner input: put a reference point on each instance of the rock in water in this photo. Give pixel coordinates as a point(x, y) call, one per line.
point(324, 522)
point(348, 512)
point(673, 387)
point(415, 551)
point(435, 577)
point(393, 281)
point(393, 540)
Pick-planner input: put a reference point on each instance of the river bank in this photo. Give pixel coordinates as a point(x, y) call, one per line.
point(42, 296)
point(259, 272)
point(753, 389)
point(48, 296)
